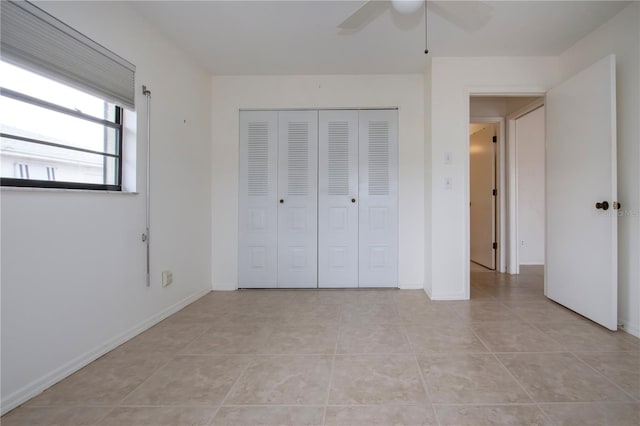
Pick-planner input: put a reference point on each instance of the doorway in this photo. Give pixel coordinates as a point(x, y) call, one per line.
point(580, 270)
point(506, 189)
point(527, 140)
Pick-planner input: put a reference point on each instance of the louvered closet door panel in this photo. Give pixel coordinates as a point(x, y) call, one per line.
point(298, 199)
point(258, 225)
point(378, 218)
point(338, 199)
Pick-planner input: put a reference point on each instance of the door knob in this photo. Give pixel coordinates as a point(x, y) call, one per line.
point(353, 200)
point(281, 201)
point(603, 205)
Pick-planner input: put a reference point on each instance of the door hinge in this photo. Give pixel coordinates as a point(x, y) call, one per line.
point(495, 192)
point(495, 139)
point(495, 246)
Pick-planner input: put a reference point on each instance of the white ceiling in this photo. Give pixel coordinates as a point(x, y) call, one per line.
point(300, 37)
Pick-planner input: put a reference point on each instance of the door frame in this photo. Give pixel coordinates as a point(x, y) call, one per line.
point(513, 266)
point(502, 91)
point(500, 202)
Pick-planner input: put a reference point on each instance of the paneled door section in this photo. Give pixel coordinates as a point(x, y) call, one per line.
point(378, 210)
point(298, 199)
point(338, 199)
point(258, 211)
point(318, 199)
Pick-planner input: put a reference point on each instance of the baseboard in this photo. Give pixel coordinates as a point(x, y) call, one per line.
point(628, 327)
point(428, 291)
point(410, 286)
point(456, 296)
point(233, 286)
point(37, 386)
point(225, 286)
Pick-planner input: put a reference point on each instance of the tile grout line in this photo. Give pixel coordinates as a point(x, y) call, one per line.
point(103, 417)
point(581, 321)
point(604, 377)
point(486, 404)
point(212, 416)
point(333, 363)
point(482, 342)
point(172, 356)
point(235, 382)
point(420, 375)
point(537, 404)
point(515, 379)
point(426, 388)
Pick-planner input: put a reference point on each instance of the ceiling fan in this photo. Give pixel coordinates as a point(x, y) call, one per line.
point(467, 15)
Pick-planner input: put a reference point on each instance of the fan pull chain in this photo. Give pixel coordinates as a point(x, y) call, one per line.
point(426, 32)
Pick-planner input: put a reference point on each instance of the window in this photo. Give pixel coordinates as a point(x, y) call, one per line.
point(51, 173)
point(61, 103)
point(57, 136)
point(34, 171)
point(21, 171)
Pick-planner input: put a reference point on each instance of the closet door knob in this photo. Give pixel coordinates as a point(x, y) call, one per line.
point(603, 205)
point(281, 201)
point(353, 200)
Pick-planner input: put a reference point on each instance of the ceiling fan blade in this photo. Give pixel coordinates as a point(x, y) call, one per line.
point(367, 13)
point(468, 15)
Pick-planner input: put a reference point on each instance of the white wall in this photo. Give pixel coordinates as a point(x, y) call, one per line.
point(73, 265)
point(621, 36)
point(231, 93)
point(530, 153)
point(452, 81)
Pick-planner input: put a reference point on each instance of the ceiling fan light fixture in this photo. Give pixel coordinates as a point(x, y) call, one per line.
point(407, 7)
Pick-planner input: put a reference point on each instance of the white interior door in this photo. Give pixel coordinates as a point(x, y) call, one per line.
point(257, 222)
point(530, 153)
point(482, 184)
point(581, 240)
point(378, 204)
point(298, 199)
point(338, 199)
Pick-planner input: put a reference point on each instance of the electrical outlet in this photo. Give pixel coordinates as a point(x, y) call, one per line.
point(521, 243)
point(167, 278)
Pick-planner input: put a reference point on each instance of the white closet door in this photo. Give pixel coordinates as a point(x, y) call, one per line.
point(378, 217)
point(298, 199)
point(338, 199)
point(258, 226)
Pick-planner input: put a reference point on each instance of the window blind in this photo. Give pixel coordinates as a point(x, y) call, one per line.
point(35, 40)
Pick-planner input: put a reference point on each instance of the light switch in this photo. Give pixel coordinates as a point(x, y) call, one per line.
point(447, 183)
point(447, 158)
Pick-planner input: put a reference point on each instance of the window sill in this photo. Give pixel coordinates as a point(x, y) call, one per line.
point(66, 190)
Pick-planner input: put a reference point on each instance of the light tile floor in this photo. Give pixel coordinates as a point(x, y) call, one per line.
point(359, 357)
